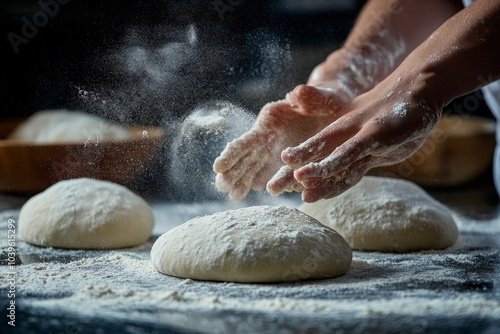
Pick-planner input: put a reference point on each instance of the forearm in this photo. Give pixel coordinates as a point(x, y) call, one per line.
point(385, 32)
point(460, 56)
point(412, 20)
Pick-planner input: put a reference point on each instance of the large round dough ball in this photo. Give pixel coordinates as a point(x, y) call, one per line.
point(384, 214)
point(254, 244)
point(86, 214)
point(61, 125)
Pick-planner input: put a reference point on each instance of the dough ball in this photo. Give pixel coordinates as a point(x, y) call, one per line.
point(384, 214)
point(255, 244)
point(86, 214)
point(50, 126)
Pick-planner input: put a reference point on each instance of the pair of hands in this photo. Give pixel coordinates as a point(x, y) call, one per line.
point(321, 140)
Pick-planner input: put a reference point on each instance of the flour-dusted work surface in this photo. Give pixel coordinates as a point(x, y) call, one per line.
point(118, 291)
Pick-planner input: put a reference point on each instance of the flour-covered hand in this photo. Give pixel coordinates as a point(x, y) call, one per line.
point(249, 161)
point(383, 126)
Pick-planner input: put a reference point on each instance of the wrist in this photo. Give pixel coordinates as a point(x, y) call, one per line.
point(357, 68)
point(428, 80)
point(343, 71)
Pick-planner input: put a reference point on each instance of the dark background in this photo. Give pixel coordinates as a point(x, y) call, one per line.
point(251, 53)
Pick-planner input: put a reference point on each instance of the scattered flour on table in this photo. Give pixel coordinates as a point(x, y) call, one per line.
point(121, 282)
point(460, 282)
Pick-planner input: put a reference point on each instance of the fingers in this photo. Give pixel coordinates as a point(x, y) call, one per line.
point(242, 164)
point(241, 189)
point(306, 152)
point(281, 181)
point(309, 100)
point(297, 187)
point(317, 188)
point(263, 176)
point(321, 145)
point(239, 180)
point(399, 154)
point(337, 184)
point(234, 152)
point(354, 149)
point(224, 181)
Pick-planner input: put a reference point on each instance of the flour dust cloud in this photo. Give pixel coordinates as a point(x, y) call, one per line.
point(198, 83)
point(201, 137)
point(155, 73)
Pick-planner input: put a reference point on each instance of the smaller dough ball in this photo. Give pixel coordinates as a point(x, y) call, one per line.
point(255, 244)
point(56, 126)
point(388, 215)
point(86, 214)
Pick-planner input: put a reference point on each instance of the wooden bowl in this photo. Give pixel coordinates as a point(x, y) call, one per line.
point(32, 167)
point(457, 150)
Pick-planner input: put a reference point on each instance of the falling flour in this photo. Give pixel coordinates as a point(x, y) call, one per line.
point(200, 138)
